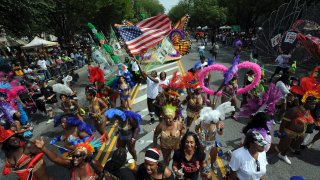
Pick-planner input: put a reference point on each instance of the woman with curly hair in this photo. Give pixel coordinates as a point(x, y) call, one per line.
point(190, 159)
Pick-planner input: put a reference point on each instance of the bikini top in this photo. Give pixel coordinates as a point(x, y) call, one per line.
point(88, 173)
point(127, 127)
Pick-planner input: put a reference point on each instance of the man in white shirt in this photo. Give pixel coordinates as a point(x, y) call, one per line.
point(282, 60)
point(43, 66)
point(152, 92)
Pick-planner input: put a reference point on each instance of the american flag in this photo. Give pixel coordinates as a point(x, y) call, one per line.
point(145, 34)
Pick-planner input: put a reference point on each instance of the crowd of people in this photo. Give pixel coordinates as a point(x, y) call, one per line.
point(290, 102)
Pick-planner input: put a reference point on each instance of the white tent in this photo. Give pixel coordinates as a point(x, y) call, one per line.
point(38, 42)
point(225, 27)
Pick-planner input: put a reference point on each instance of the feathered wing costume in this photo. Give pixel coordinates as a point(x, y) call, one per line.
point(96, 75)
point(71, 120)
point(175, 85)
point(265, 103)
point(11, 90)
point(208, 115)
point(232, 70)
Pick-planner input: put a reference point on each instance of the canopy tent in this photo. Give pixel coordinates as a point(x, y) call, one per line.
point(225, 27)
point(38, 42)
point(10, 42)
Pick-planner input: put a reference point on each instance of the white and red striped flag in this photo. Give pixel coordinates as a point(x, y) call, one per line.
point(145, 34)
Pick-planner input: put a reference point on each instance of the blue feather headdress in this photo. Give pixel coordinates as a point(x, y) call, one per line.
point(73, 121)
point(115, 112)
point(135, 116)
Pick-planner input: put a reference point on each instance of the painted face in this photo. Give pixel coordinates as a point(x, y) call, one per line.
point(190, 143)
point(78, 157)
point(151, 167)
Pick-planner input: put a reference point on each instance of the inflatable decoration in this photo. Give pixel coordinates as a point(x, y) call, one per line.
point(223, 69)
point(102, 41)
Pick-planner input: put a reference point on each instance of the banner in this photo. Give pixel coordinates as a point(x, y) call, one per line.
point(290, 37)
point(276, 40)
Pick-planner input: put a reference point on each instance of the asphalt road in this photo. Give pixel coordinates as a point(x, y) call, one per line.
point(307, 164)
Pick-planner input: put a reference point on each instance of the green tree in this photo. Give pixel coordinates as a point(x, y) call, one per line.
point(203, 12)
point(25, 17)
point(148, 7)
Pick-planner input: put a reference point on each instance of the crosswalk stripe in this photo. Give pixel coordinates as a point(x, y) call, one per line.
point(160, 67)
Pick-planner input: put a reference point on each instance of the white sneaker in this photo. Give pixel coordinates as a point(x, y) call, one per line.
point(273, 122)
point(49, 121)
point(284, 158)
point(310, 145)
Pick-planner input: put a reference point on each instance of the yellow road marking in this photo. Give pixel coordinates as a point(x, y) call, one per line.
point(133, 90)
point(105, 143)
point(221, 166)
point(181, 67)
point(180, 70)
point(213, 175)
point(114, 140)
point(135, 95)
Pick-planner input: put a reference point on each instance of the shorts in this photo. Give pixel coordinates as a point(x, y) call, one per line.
point(278, 69)
point(151, 106)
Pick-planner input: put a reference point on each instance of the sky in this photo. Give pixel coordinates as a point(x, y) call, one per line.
point(168, 4)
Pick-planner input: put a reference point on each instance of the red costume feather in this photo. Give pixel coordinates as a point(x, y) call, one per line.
point(96, 75)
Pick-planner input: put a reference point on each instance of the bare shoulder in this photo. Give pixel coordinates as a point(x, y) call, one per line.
point(167, 172)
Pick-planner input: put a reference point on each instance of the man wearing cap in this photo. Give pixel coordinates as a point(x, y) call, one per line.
point(152, 168)
point(250, 161)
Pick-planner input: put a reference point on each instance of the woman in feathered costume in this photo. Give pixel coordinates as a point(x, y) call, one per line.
point(209, 125)
point(170, 95)
point(296, 120)
point(22, 157)
point(195, 100)
point(11, 118)
point(170, 131)
point(82, 164)
point(12, 88)
point(74, 132)
point(229, 85)
point(128, 128)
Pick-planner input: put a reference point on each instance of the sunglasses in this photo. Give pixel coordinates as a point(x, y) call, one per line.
point(77, 156)
point(258, 165)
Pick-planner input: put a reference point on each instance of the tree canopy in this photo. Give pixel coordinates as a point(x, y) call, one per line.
point(202, 12)
point(65, 18)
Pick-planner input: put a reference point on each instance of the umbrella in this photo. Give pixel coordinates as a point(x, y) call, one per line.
point(62, 89)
